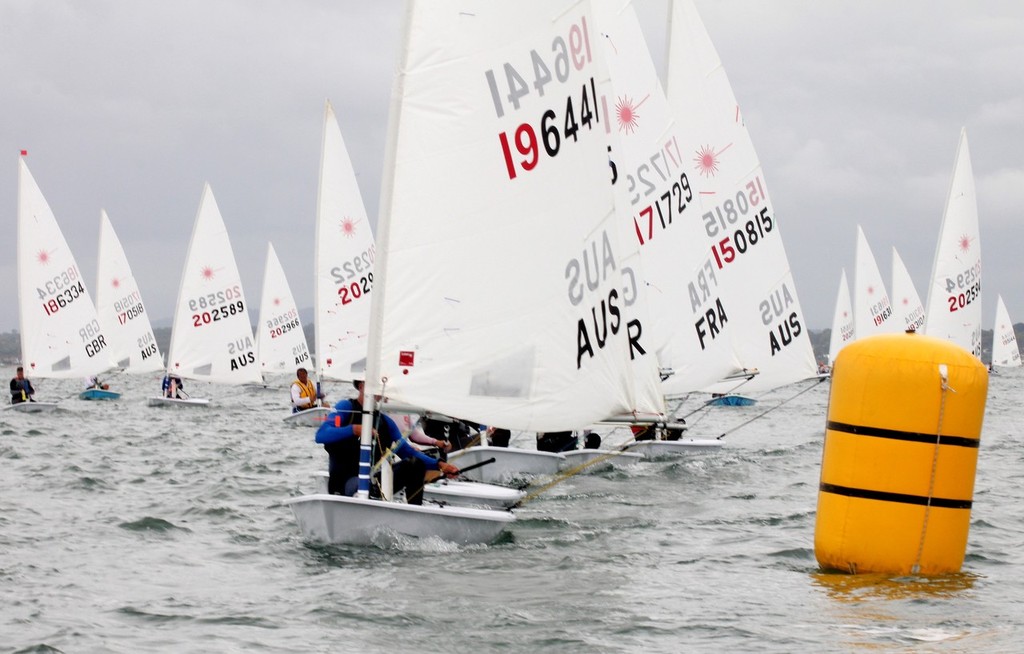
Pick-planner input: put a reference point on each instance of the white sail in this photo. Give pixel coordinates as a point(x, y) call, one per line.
point(211, 338)
point(1005, 352)
point(122, 313)
point(343, 262)
point(954, 294)
point(498, 296)
point(659, 246)
point(61, 335)
point(906, 302)
point(872, 310)
point(842, 321)
point(280, 341)
point(655, 195)
point(744, 283)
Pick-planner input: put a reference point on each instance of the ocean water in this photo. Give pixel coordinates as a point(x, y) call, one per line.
point(125, 528)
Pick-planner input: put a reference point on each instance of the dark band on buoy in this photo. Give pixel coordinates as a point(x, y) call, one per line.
point(913, 437)
point(901, 498)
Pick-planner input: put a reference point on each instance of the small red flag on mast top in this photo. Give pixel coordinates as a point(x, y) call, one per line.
point(24, 153)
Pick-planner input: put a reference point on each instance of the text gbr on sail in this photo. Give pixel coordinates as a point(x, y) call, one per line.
point(93, 339)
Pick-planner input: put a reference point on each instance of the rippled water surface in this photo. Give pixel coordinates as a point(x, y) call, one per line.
point(125, 528)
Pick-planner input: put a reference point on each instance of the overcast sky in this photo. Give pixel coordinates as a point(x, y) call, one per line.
point(855, 108)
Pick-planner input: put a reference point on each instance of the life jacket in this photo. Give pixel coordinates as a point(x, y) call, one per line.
point(307, 390)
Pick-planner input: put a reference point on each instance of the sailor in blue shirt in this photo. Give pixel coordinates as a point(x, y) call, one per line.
point(340, 434)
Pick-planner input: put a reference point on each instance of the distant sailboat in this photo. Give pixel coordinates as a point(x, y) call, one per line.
point(843, 331)
point(344, 257)
point(954, 292)
point(872, 310)
point(906, 302)
point(280, 340)
point(121, 310)
point(211, 338)
point(61, 335)
point(1005, 351)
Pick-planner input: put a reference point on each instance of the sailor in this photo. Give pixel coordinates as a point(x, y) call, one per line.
point(93, 382)
point(340, 434)
point(172, 386)
point(304, 392)
point(21, 388)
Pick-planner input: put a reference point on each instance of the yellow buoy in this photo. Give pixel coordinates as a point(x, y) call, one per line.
point(900, 454)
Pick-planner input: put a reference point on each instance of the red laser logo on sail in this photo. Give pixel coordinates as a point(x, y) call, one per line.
point(707, 160)
point(625, 112)
point(348, 227)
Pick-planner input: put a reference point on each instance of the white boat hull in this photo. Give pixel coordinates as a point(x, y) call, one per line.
point(173, 401)
point(340, 520)
point(595, 459)
point(655, 449)
point(509, 463)
point(308, 418)
point(471, 493)
point(456, 493)
point(32, 407)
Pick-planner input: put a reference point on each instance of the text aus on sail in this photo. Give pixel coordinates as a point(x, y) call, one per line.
point(601, 314)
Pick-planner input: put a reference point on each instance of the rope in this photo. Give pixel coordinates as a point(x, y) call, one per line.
point(916, 568)
point(575, 470)
point(764, 413)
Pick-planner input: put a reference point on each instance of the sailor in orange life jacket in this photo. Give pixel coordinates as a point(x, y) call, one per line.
point(304, 393)
point(340, 434)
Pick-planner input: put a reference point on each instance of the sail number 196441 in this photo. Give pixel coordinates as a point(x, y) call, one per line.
point(555, 130)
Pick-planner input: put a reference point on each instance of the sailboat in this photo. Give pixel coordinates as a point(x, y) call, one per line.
point(122, 312)
point(280, 341)
point(954, 292)
point(61, 336)
point(842, 321)
point(1005, 352)
point(872, 309)
point(525, 340)
point(744, 307)
point(344, 258)
point(211, 337)
point(906, 302)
